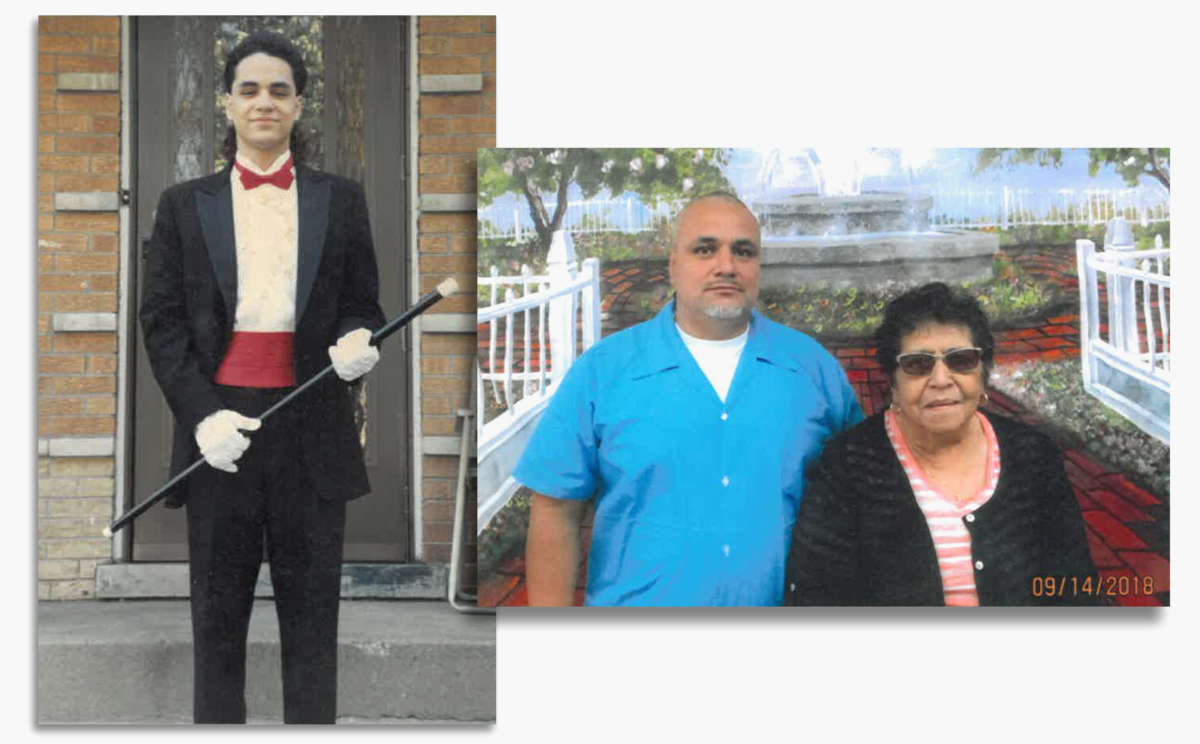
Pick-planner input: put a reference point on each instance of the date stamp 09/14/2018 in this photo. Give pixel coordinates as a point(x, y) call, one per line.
point(1093, 586)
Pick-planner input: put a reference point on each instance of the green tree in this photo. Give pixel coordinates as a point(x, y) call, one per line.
point(1130, 162)
point(656, 175)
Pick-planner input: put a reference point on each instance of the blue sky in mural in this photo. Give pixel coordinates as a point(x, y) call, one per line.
point(897, 169)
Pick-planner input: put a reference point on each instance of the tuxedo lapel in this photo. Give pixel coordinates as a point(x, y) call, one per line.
point(313, 188)
point(215, 206)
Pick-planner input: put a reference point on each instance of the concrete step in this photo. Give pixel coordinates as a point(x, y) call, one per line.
point(130, 661)
point(155, 580)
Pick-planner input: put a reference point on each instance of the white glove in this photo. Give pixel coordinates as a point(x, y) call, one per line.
point(220, 441)
point(354, 356)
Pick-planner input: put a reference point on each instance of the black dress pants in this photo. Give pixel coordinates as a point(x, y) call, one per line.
point(270, 500)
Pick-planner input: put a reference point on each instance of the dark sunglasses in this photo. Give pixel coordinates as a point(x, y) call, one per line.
point(920, 363)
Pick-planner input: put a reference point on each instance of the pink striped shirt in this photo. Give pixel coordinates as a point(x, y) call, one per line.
point(945, 515)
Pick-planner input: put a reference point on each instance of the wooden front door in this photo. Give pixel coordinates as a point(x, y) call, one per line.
point(354, 112)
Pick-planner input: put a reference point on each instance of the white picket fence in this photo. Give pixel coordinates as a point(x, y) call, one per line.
point(1129, 368)
point(1000, 207)
point(564, 307)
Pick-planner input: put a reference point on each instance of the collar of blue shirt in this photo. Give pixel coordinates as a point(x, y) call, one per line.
point(668, 350)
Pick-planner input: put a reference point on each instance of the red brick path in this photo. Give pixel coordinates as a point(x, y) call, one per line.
point(1127, 528)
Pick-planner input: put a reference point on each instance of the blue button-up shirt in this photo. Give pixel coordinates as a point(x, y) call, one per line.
point(695, 498)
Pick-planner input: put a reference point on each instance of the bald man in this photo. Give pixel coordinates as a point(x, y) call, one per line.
point(690, 431)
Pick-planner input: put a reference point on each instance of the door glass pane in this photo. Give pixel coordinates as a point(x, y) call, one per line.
point(349, 72)
point(347, 144)
point(188, 37)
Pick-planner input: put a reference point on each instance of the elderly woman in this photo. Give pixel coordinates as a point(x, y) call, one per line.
point(933, 502)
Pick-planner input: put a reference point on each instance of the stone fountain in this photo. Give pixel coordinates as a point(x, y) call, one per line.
point(854, 238)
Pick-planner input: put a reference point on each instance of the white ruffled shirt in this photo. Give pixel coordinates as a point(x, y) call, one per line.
point(717, 359)
point(266, 230)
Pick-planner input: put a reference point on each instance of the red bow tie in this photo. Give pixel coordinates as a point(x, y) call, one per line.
point(281, 178)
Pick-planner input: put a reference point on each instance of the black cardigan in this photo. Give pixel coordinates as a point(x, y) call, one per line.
point(861, 539)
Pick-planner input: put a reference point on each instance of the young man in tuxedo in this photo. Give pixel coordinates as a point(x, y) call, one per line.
point(257, 277)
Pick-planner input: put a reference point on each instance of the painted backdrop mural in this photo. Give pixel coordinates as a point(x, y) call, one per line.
point(1066, 250)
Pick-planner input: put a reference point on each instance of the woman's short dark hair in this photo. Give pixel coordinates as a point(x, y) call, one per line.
point(273, 45)
point(931, 303)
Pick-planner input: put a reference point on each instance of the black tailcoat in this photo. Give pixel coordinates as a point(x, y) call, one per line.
point(190, 299)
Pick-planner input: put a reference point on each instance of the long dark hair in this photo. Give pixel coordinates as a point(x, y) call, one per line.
point(274, 45)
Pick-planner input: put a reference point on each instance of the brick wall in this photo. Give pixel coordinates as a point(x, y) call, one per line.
point(457, 115)
point(78, 129)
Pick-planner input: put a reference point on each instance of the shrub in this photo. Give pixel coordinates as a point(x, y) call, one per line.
point(1011, 295)
point(504, 537)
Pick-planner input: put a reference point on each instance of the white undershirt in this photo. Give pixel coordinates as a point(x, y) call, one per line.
point(265, 226)
point(717, 359)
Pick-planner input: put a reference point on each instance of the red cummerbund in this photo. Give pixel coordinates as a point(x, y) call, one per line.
point(258, 360)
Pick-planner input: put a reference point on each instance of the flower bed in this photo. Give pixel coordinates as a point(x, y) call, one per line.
point(1012, 295)
point(1054, 392)
point(504, 537)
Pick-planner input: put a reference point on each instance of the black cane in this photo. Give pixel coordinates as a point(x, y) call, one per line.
point(448, 287)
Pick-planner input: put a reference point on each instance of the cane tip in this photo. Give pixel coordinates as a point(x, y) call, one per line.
point(448, 287)
point(107, 532)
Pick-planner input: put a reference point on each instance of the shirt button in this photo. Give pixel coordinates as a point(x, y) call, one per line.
point(725, 550)
point(978, 565)
point(724, 415)
point(725, 481)
point(970, 517)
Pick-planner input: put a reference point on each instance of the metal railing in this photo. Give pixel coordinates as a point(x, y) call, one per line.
point(554, 311)
point(497, 315)
point(1129, 366)
point(625, 214)
point(1004, 207)
point(564, 307)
